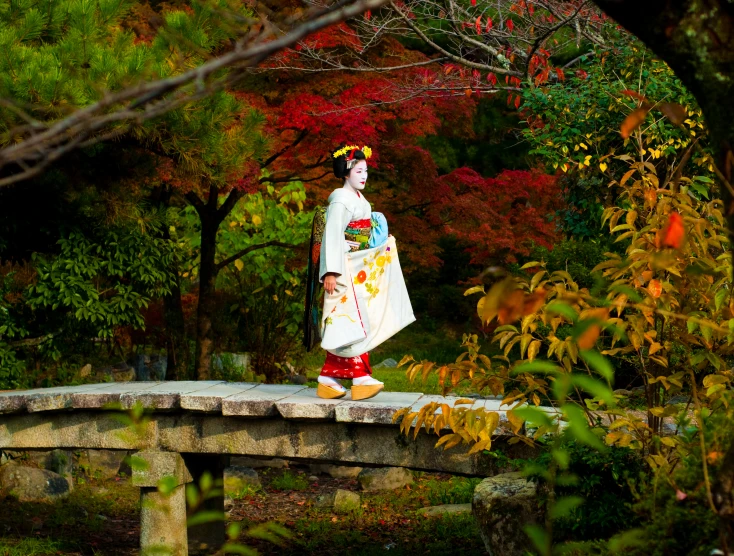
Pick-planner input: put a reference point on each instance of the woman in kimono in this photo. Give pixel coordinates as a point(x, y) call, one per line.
point(365, 300)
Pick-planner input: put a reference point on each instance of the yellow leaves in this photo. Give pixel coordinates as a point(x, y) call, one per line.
point(239, 264)
point(533, 349)
point(711, 380)
point(475, 289)
point(405, 359)
point(651, 198)
point(603, 166)
point(516, 422)
point(620, 438)
point(449, 441)
point(256, 220)
point(716, 383)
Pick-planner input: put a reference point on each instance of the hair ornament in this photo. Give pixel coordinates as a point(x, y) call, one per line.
point(350, 149)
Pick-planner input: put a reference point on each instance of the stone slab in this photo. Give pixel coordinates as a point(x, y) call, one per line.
point(204, 433)
point(445, 509)
point(109, 395)
point(165, 395)
point(377, 410)
point(43, 399)
point(307, 405)
point(210, 399)
point(258, 401)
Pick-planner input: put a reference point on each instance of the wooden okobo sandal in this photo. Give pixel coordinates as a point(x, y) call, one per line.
point(329, 393)
point(366, 391)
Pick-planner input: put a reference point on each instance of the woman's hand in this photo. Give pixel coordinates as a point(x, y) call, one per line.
point(330, 282)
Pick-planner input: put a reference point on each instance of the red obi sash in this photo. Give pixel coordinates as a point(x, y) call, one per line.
point(358, 233)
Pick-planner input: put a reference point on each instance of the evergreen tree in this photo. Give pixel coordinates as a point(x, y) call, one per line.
point(64, 55)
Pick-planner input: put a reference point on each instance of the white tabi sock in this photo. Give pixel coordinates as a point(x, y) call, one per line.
point(365, 381)
point(331, 382)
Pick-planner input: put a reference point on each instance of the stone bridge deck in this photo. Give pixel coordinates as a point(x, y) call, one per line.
point(192, 428)
point(232, 418)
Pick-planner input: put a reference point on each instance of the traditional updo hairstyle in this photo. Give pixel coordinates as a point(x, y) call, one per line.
point(344, 163)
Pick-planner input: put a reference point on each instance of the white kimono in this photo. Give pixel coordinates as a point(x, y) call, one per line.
point(370, 303)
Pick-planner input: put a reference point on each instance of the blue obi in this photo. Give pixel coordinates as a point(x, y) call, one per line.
point(379, 230)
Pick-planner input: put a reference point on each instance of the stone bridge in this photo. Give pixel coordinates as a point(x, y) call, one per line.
point(190, 428)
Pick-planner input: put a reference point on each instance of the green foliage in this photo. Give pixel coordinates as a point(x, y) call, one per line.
point(105, 281)
point(229, 371)
point(492, 148)
point(261, 292)
point(673, 508)
point(575, 256)
point(246, 492)
point(456, 490)
point(290, 481)
point(606, 483)
point(11, 367)
point(69, 53)
point(573, 126)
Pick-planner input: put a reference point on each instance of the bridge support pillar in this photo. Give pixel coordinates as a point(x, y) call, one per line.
point(162, 514)
point(206, 538)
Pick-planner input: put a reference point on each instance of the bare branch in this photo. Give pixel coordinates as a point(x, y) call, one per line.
point(229, 260)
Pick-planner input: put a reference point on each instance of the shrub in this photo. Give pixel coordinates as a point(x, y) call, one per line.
point(606, 481)
point(290, 481)
point(577, 257)
point(456, 490)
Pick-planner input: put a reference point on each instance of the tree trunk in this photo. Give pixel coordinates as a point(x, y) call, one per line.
point(210, 216)
point(696, 39)
point(177, 348)
point(177, 345)
point(207, 291)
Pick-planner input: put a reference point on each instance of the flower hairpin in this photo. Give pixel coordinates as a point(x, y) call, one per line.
point(350, 149)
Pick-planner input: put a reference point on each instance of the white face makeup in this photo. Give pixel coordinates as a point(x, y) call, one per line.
point(358, 176)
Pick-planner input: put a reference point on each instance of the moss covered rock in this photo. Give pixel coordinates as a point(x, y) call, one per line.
point(502, 506)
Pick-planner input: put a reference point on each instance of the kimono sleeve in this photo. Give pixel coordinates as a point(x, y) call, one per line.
point(333, 245)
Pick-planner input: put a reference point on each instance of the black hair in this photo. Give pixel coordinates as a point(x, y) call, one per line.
point(340, 164)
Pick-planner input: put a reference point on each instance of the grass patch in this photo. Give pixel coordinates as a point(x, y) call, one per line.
point(290, 481)
point(31, 547)
point(88, 518)
point(247, 492)
point(387, 521)
point(439, 346)
point(456, 490)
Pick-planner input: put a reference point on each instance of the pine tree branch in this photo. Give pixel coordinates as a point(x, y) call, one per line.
point(142, 102)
